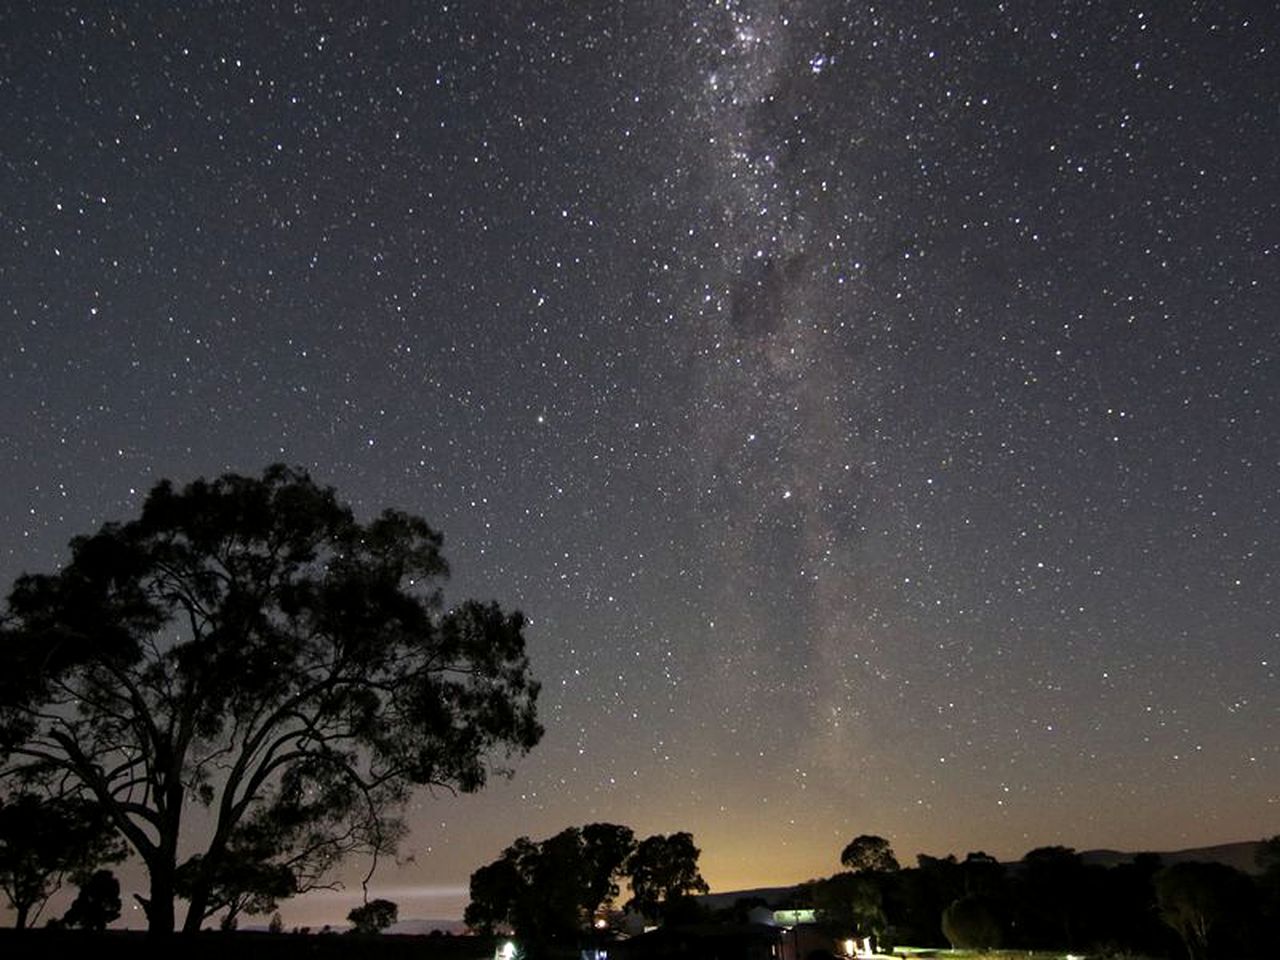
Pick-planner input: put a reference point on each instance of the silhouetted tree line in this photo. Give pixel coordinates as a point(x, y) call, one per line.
point(1053, 900)
point(554, 892)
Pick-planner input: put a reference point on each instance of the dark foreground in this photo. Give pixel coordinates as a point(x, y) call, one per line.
point(131, 945)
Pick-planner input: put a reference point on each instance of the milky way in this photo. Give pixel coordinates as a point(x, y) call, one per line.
point(874, 408)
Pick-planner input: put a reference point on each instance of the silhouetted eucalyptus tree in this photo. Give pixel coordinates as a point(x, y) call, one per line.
point(551, 890)
point(853, 904)
point(248, 644)
point(869, 854)
point(663, 870)
point(373, 917)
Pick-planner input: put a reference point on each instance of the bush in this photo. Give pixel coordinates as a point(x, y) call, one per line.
point(373, 917)
point(971, 924)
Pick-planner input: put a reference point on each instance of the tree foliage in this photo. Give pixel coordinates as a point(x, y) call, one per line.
point(1053, 894)
point(1055, 899)
point(983, 875)
point(549, 891)
point(920, 894)
point(1198, 900)
point(1268, 856)
point(868, 853)
point(971, 923)
point(606, 852)
point(241, 884)
point(663, 869)
point(247, 644)
point(374, 916)
point(96, 904)
point(852, 904)
point(43, 841)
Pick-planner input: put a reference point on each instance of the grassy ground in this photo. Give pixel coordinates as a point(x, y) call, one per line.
point(132, 945)
point(933, 953)
point(70, 945)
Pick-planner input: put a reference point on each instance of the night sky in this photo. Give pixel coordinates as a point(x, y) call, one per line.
point(875, 408)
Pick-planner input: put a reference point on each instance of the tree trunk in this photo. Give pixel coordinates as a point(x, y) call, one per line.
point(201, 887)
point(163, 866)
point(24, 911)
point(196, 909)
point(160, 908)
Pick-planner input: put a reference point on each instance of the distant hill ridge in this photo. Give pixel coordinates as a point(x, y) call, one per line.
point(1241, 855)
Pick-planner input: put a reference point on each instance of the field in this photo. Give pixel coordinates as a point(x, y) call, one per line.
point(933, 953)
point(131, 945)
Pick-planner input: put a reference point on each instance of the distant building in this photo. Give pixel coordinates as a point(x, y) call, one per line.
point(792, 918)
point(703, 941)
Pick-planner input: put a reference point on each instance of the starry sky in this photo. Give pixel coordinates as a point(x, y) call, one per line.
point(874, 407)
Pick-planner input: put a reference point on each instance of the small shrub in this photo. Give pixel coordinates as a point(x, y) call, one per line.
point(970, 924)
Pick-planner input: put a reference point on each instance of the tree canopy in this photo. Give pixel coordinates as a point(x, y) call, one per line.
point(96, 904)
point(662, 870)
point(868, 853)
point(970, 923)
point(552, 890)
point(549, 891)
point(374, 916)
point(44, 840)
point(1198, 900)
point(851, 903)
point(1053, 893)
point(248, 644)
